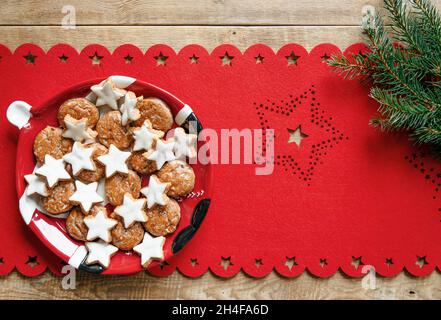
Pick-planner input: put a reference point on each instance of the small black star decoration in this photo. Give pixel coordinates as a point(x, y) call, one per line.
point(325, 57)
point(389, 262)
point(421, 261)
point(323, 263)
point(194, 59)
point(356, 262)
point(128, 59)
point(226, 59)
point(160, 59)
point(225, 263)
point(290, 262)
point(292, 59)
point(30, 58)
point(259, 59)
point(96, 59)
point(63, 58)
point(258, 263)
point(32, 261)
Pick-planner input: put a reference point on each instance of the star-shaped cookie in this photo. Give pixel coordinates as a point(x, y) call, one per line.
point(53, 170)
point(145, 136)
point(155, 192)
point(185, 144)
point(162, 153)
point(100, 252)
point(86, 195)
point(77, 130)
point(107, 94)
point(35, 185)
point(80, 158)
point(99, 226)
point(131, 210)
point(150, 248)
point(128, 109)
point(115, 161)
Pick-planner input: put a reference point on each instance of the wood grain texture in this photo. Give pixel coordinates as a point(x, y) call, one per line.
point(208, 286)
point(208, 23)
point(186, 12)
point(178, 37)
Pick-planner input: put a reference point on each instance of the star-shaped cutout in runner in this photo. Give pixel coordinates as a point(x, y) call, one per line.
point(63, 58)
point(77, 130)
point(30, 58)
point(150, 248)
point(194, 59)
point(128, 109)
point(160, 59)
point(115, 161)
point(292, 58)
point(95, 58)
point(226, 59)
point(107, 94)
point(131, 210)
point(99, 226)
point(35, 185)
point(259, 59)
point(296, 135)
point(162, 153)
point(145, 136)
point(128, 59)
point(185, 144)
point(86, 195)
point(155, 192)
point(80, 158)
point(100, 252)
point(53, 170)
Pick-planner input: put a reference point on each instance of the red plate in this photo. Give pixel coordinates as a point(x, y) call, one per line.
point(51, 230)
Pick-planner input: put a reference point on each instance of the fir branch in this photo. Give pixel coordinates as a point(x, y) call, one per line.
point(406, 76)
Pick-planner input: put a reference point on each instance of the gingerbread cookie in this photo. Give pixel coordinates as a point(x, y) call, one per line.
point(162, 220)
point(157, 112)
point(57, 200)
point(119, 184)
point(141, 164)
point(110, 131)
point(50, 141)
point(78, 108)
point(98, 172)
point(126, 239)
point(180, 176)
point(75, 225)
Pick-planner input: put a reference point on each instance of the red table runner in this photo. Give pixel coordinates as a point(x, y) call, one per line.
point(347, 196)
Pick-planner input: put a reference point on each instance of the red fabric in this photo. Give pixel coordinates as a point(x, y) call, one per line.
point(368, 196)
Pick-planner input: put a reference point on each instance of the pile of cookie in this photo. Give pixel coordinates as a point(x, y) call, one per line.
point(92, 165)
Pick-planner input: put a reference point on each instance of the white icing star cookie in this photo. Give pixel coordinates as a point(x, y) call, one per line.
point(86, 195)
point(162, 153)
point(185, 144)
point(53, 170)
point(107, 94)
point(131, 210)
point(99, 226)
point(145, 136)
point(80, 158)
point(100, 252)
point(128, 109)
point(35, 185)
point(77, 130)
point(115, 161)
point(155, 192)
point(150, 248)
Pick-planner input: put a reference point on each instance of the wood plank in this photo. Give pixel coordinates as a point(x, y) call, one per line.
point(187, 12)
point(208, 286)
point(178, 37)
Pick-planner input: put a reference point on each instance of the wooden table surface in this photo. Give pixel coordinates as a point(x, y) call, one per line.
point(208, 23)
